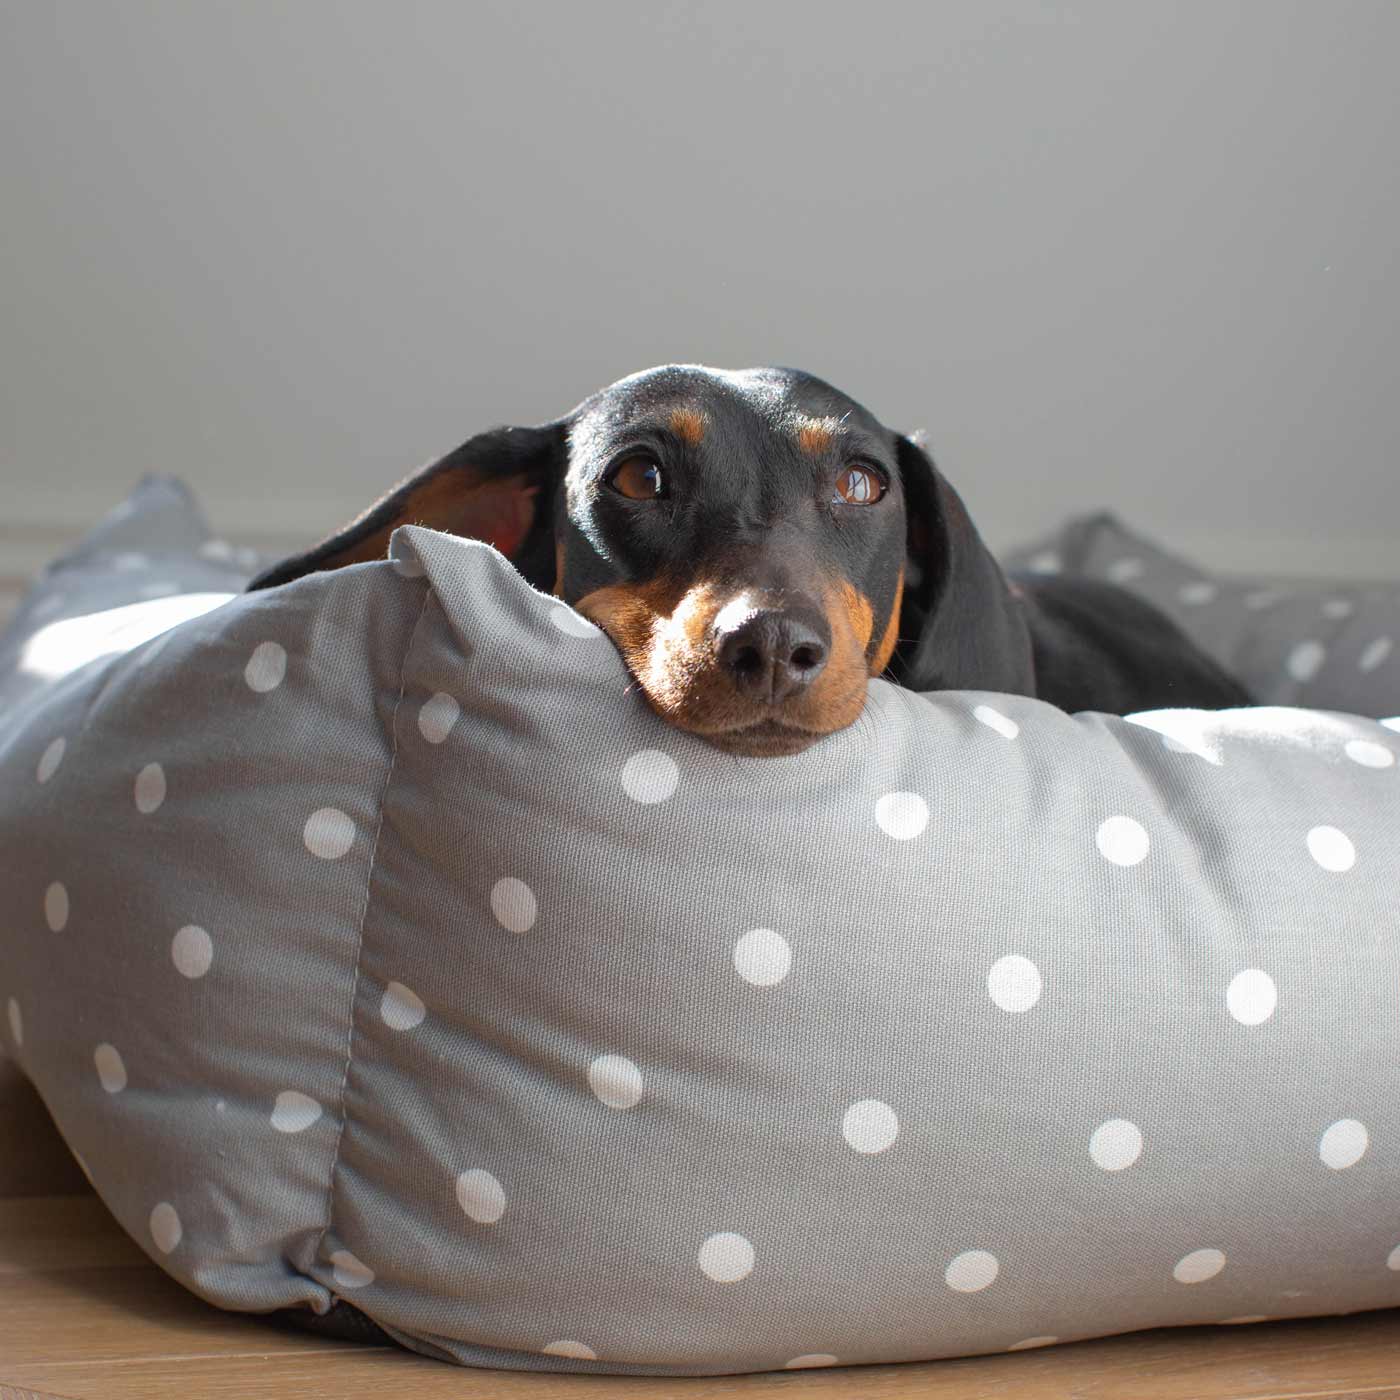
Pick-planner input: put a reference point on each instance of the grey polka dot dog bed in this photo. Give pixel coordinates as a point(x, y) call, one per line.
point(382, 956)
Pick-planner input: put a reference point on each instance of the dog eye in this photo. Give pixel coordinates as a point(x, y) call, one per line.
point(637, 478)
point(859, 486)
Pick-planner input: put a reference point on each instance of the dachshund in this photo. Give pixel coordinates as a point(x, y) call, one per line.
point(757, 546)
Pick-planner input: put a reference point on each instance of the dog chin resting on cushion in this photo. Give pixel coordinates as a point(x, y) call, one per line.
point(758, 545)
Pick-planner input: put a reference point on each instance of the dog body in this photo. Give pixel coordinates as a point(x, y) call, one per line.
point(1098, 647)
point(758, 546)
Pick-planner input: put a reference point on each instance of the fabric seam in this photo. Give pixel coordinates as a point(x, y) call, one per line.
point(360, 933)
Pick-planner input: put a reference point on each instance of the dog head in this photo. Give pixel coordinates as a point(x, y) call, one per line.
point(755, 543)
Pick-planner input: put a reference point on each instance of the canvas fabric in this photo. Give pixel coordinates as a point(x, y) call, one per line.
point(370, 939)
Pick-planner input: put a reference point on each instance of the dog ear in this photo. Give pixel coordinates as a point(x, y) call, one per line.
point(961, 626)
point(498, 487)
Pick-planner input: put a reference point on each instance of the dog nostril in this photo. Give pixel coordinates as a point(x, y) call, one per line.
point(771, 654)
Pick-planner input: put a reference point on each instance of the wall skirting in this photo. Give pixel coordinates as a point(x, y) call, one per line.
point(27, 545)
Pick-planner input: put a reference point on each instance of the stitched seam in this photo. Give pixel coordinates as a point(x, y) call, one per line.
point(364, 915)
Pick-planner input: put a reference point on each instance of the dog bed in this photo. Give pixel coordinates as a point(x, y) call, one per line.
point(375, 947)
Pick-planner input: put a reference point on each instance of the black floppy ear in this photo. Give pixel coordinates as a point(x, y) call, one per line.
point(960, 626)
point(498, 487)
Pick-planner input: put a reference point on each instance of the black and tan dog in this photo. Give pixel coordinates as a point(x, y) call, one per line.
point(757, 546)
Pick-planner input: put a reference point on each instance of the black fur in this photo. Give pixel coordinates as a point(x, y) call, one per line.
point(1078, 644)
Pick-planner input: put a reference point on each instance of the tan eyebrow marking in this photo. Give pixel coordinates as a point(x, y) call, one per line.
point(814, 434)
point(689, 425)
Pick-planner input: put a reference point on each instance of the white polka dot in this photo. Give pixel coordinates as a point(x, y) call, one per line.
point(111, 1070)
point(1194, 594)
point(1121, 570)
point(1331, 849)
point(53, 756)
point(1251, 997)
point(1122, 840)
point(1344, 1144)
point(972, 1271)
point(1369, 754)
point(1046, 562)
point(1031, 1343)
point(571, 623)
point(400, 1008)
point(902, 815)
point(567, 1348)
point(994, 719)
point(266, 667)
point(192, 951)
point(1374, 654)
point(650, 776)
point(870, 1126)
point(1392, 1260)
point(350, 1272)
point(762, 957)
point(328, 833)
point(16, 1021)
point(726, 1257)
point(1014, 983)
point(1198, 1266)
point(615, 1080)
point(436, 718)
point(294, 1112)
point(1305, 660)
point(513, 903)
point(810, 1360)
point(408, 566)
point(1262, 598)
point(1115, 1144)
point(165, 1227)
point(1337, 608)
point(56, 907)
point(150, 788)
point(481, 1196)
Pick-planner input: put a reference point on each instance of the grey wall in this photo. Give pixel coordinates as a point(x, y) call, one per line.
point(1135, 255)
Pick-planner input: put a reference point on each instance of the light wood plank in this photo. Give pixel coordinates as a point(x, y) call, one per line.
point(118, 1314)
point(1326, 1360)
point(1333, 1358)
point(80, 1320)
point(10, 1392)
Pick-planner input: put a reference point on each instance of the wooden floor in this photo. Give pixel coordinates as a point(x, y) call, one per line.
point(84, 1315)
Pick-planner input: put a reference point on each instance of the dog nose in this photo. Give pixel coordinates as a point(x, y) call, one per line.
point(773, 653)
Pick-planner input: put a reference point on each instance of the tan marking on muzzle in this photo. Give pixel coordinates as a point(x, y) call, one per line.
point(664, 631)
point(659, 627)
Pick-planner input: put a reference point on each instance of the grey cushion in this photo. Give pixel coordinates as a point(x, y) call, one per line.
point(1322, 643)
point(370, 938)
